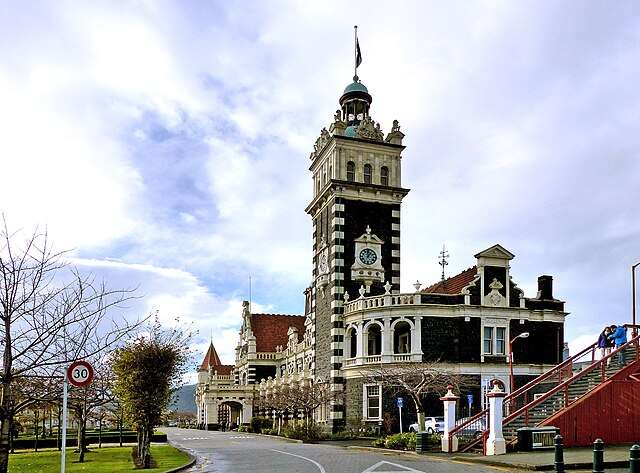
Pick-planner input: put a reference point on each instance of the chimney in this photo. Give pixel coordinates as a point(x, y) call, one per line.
point(545, 288)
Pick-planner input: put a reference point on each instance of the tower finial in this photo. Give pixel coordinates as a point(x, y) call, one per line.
point(443, 260)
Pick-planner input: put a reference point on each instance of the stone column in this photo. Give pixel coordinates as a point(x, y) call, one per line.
point(386, 338)
point(359, 341)
point(416, 338)
point(449, 400)
point(495, 443)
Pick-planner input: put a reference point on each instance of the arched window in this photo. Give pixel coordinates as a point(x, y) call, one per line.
point(367, 173)
point(374, 340)
point(351, 171)
point(351, 343)
point(402, 338)
point(384, 175)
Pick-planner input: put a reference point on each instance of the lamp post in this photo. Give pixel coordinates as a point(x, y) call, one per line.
point(522, 335)
point(634, 331)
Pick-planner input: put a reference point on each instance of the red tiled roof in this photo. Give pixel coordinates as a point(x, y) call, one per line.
point(271, 330)
point(454, 284)
point(212, 360)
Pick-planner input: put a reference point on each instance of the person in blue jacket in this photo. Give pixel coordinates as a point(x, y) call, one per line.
point(605, 343)
point(619, 334)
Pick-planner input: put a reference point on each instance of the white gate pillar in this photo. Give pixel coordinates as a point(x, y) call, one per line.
point(495, 443)
point(449, 400)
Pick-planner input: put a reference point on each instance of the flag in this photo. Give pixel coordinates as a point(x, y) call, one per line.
point(358, 53)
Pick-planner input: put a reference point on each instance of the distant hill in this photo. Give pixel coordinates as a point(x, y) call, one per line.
point(184, 399)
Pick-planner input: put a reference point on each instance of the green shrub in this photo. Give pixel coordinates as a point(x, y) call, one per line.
point(243, 428)
point(406, 441)
point(343, 435)
point(302, 431)
point(260, 423)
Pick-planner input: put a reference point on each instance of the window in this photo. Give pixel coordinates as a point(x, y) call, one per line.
point(351, 344)
point(404, 343)
point(494, 340)
point(374, 340)
point(384, 175)
point(372, 401)
point(402, 338)
point(351, 171)
point(367, 173)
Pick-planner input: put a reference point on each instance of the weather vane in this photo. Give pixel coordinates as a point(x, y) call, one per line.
point(444, 254)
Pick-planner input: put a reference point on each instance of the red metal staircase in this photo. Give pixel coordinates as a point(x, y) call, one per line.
point(547, 399)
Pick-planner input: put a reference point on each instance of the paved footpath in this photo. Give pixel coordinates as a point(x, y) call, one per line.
point(616, 459)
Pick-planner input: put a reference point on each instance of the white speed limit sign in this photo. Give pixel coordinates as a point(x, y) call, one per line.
point(80, 373)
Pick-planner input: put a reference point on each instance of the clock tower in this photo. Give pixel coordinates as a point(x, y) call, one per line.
point(355, 210)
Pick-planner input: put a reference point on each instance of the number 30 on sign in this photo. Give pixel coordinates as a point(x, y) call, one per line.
point(80, 373)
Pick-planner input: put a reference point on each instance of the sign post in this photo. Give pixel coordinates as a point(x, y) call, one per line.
point(400, 409)
point(79, 373)
point(470, 399)
point(64, 422)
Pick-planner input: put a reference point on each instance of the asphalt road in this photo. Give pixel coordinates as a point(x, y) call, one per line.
point(233, 452)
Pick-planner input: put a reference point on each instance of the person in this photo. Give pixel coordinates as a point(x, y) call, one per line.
point(605, 343)
point(619, 335)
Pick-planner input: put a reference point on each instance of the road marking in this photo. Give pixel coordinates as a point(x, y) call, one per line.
point(304, 458)
point(405, 469)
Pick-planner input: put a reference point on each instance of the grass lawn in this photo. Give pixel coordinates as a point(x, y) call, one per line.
point(98, 460)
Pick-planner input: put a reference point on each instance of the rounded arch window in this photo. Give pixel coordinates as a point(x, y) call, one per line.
point(374, 340)
point(384, 175)
point(402, 338)
point(351, 342)
point(351, 171)
point(367, 173)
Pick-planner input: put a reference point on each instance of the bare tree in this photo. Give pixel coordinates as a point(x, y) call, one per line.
point(308, 396)
point(84, 401)
point(50, 315)
point(417, 380)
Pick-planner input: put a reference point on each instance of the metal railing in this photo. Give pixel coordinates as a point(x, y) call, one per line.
point(522, 401)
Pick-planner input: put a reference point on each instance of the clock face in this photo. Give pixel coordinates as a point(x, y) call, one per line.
point(368, 256)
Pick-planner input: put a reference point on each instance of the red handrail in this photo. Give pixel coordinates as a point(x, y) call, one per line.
point(559, 370)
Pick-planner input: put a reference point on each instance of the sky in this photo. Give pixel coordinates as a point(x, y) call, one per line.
point(166, 144)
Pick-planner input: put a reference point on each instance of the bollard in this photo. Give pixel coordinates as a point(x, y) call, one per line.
point(634, 459)
point(598, 456)
point(558, 462)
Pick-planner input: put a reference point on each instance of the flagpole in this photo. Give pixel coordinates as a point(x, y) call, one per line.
point(355, 49)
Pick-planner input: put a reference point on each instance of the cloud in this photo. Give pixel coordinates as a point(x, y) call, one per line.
point(167, 144)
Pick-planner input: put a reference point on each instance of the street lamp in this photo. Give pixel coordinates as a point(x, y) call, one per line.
point(634, 331)
point(522, 335)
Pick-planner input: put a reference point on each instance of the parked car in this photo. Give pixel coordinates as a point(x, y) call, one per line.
point(474, 429)
point(431, 425)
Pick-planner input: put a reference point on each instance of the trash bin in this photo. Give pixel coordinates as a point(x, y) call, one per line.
point(422, 442)
point(534, 438)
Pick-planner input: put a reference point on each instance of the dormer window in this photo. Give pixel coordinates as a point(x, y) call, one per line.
point(384, 176)
point(367, 173)
point(351, 171)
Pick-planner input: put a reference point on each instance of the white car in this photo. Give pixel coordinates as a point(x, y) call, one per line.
point(431, 424)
